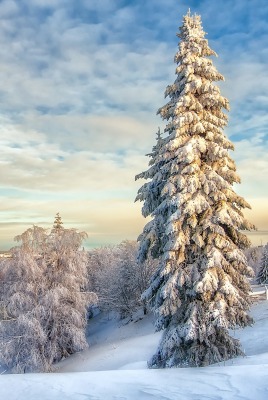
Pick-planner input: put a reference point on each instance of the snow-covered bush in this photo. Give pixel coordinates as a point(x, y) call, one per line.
point(42, 299)
point(201, 288)
point(262, 277)
point(253, 255)
point(118, 279)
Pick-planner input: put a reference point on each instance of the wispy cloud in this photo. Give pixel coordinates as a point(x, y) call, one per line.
point(80, 86)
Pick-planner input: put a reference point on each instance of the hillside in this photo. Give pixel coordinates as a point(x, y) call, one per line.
point(114, 367)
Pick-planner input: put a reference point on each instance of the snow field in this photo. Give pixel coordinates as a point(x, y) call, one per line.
point(114, 367)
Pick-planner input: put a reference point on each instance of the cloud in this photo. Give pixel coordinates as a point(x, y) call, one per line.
point(44, 168)
point(252, 164)
point(80, 85)
point(8, 8)
point(104, 221)
point(63, 68)
point(108, 133)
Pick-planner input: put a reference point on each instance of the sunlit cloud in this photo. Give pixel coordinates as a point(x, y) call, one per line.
point(80, 86)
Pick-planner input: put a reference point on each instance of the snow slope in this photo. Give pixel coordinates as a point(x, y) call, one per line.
point(114, 367)
point(114, 345)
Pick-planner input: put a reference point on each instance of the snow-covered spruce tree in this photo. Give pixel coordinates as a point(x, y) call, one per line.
point(263, 271)
point(44, 306)
point(153, 190)
point(200, 289)
point(58, 224)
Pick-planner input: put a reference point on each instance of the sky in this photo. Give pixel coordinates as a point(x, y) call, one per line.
point(81, 82)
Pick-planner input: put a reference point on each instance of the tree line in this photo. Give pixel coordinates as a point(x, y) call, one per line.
point(49, 287)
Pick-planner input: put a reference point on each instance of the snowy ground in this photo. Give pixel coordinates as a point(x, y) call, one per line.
point(114, 367)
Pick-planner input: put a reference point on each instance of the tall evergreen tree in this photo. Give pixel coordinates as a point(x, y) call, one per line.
point(263, 271)
point(200, 289)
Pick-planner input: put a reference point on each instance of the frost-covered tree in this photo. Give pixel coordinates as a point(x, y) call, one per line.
point(201, 288)
point(22, 336)
point(43, 300)
point(127, 295)
point(118, 279)
point(58, 224)
point(253, 255)
point(263, 271)
point(102, 266)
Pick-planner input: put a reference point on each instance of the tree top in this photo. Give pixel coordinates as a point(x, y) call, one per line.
point(58, 222)
point(191, 27)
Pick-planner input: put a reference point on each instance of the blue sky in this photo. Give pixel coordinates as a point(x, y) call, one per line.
point(80, 86)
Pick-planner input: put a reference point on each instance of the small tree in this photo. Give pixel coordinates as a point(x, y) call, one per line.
point(200, 289)
point(58, 224)
point(43, 300)
point(118, 279)
point(253, 255)
point(262, 277)
point(102, 265)
point(133, 279)
point(22, 336)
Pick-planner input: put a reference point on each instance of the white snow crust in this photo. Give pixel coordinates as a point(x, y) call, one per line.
point(114, 367)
